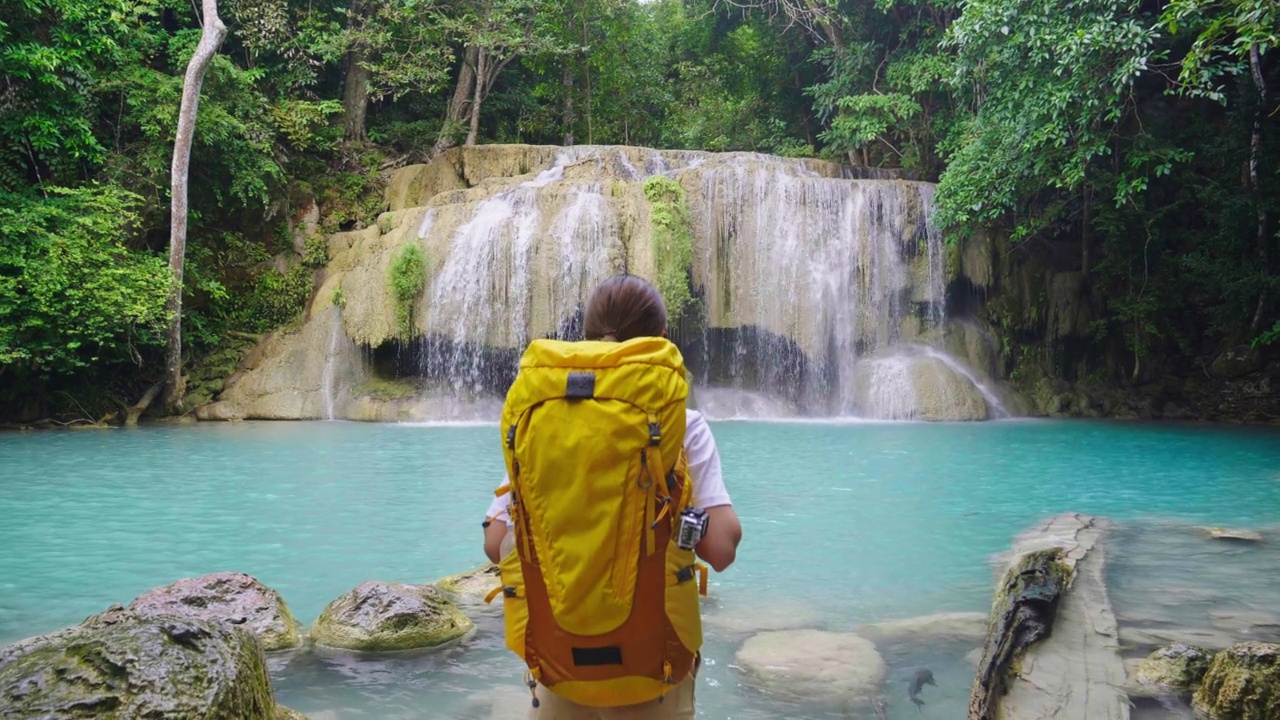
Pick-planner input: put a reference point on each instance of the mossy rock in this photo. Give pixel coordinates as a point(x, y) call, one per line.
point(1242, 683)
point(1177, 667)
point(284, 713)
point(381, 616)
point(227, 596)
point(120, 664)
point(473, 585)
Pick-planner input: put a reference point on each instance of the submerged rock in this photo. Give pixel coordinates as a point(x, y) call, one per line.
point(1242, 683)
point(381, 616)
point(939, 627)
point(1232, 534)
point(232, 597)
point(1177, 667)
point(122, 664)
point(774, 614)
point(473, 585)
point(813, 664)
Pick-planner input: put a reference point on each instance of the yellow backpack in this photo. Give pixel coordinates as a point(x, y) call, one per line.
point(598, 599)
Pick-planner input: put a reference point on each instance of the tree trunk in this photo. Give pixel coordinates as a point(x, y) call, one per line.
point(482, 68)
point(566, 116)
point(355, 98)
point(1255, 153)
point(461, 101)
point(210, 40)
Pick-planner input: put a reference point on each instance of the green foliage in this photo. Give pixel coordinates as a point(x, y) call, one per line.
point(1225, 30)
point(1050, 84)
point(338, 299)
point(316, 253)
point(71, 294)
point(50, 55)
point(406, 276)
point(1268, 337)
point(672, 242)
point(275, 299)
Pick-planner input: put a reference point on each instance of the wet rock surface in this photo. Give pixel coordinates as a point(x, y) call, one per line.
point(471, 586)
point(232, 597)
point(1177, 667)
point(381, 616)
point(121, 664)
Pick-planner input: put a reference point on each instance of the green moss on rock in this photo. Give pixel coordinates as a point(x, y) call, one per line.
point(120, 664)
point(380, 616)
point(1242, 683)
point(672, 241)
point(1179, 667)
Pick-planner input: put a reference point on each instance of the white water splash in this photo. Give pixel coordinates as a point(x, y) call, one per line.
point(335, 330)
point(993, 401)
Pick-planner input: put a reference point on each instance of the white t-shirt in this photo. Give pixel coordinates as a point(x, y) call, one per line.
point(704, 470)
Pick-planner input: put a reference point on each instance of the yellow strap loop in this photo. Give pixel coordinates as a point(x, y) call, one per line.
point(492, 594)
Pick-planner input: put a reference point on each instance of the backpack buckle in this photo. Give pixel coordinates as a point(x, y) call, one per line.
point(655, 434)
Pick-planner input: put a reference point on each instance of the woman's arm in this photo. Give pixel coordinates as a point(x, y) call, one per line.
point(720, 545)
point(494, 534)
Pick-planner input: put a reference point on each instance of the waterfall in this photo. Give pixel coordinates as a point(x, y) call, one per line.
point(335, 331)
point(816, 293)
point(823, 271)
point(520, 261)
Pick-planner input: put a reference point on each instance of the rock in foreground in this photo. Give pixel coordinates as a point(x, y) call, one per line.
point(813, 664)
point(1177, 667)
point(1243, 683)
point(1053, 651)
point(120, 664)
point(381, 616)
point(232, 597)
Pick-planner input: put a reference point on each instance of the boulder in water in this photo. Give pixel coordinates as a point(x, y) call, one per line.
point(473, 585)
point(284, 713)
point(232, 597)
point(1242, 683)
point(813, 664)
point(939, 627)
point(381, 616)
point(123, 664)
point(916, 387)
point(1177, 667)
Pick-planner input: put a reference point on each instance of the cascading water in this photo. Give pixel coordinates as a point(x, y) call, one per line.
point(512, 266)
point(815, 293)
point(825, 273)
point(327, 389)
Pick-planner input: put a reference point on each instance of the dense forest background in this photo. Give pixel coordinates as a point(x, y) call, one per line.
point(1133, 142)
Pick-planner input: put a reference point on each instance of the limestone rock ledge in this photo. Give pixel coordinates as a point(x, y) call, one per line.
point(1053, 647)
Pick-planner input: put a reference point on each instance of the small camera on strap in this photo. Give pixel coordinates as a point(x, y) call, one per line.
point(692, 528)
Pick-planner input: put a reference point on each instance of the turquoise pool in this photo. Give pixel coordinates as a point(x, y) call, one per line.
point(844, 523)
